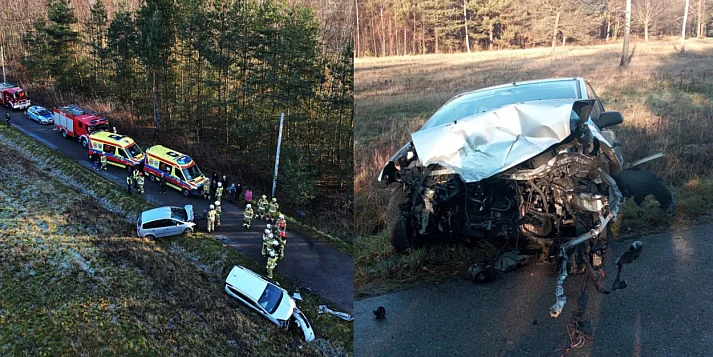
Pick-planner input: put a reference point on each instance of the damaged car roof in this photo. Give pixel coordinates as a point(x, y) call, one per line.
point(484, 144)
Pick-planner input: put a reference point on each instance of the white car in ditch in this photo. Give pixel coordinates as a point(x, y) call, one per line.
point(165, 221)
point(267, 299)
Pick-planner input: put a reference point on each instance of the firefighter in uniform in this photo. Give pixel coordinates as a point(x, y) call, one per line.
point(135, 173)
point(218, 211)
point(266, 238)
point(247, 216)
point(271, 263)
point(272, 212)
point(129, 182)
point(102, 159)
point(261, 207)
point(219, 191)
point(211, 219)
point(140, 182)
point(206, 191)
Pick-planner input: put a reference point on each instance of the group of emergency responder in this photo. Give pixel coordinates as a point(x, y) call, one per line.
point(274, 237)
point(136, 179)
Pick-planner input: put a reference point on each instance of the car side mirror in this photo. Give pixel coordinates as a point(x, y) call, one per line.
point(607, 119)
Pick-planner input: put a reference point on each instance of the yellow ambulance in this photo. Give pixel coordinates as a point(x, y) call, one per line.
point(120, 150)
point(181, 171)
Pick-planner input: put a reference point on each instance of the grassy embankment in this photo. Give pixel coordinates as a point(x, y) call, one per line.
point(74, 279)
point(666, 99)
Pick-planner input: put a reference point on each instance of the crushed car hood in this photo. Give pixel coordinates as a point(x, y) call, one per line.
point(488, 143)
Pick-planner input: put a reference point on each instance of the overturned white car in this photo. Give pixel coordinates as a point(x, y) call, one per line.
point(267, 299)
point(535, 160)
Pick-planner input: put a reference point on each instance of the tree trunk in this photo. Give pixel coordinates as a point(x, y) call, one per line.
point(413, 37)
point(646, 31)
point(625, 49)
point(683, 29)
point(699, 26)
point(356, 6)
point(616, 29)
point(156, 113)
point(423, 38)
point(405, 41)
point(383, 33)
point(608, 24)
point(554, 32)
point(435, 33)
point(564, 39)
point(492, 29)
point(465, 21)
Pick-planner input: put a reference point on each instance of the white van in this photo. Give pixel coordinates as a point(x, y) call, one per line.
point(165, 221)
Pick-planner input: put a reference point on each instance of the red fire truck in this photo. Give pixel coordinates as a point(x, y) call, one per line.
point(75, 122)
point(13, 97)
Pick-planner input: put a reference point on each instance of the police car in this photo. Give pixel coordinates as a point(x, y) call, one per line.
point(40, 114)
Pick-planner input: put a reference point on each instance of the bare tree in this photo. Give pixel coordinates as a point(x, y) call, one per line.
point(356, 6)
point(465, 22)
point(701, 19)
point(647, 13)
point(625, 49)
point(683, 28)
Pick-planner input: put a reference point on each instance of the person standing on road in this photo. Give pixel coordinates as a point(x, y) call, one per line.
point(231, 192)
point(211, 219)
point(271, 263)
point(272, 210)
point(247, 216)
point(262, 207)
point(140, 184)
point(213, 187)
point(7, 119)
point(266, 238)
point(219, 191)
point(238, 192)
point(206, 190)
point(282, 233)
point(135, 174)
point(102, 159)
point(129, 182)
point(218, 211)
point(94, 158)
point(248, 196)
point(162, 183)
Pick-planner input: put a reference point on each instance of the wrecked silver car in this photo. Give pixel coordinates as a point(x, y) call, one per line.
point(533, 160)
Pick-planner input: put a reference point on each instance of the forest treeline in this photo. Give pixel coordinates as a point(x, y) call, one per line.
point(211, 78)
point(406, 27)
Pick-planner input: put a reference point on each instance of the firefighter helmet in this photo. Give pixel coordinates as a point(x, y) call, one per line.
point(217, 203)
point(212, 207)
point(274, 199)
point(220, 184)
point(247, 206)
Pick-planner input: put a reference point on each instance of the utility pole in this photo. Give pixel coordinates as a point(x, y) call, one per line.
point(277, 156)
point(683, 30)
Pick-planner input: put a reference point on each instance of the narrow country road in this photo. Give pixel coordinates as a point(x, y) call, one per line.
point(665, 311)
point(308, 262)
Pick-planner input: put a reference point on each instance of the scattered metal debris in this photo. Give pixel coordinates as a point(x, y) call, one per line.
point(296, 295)
point(342, 315)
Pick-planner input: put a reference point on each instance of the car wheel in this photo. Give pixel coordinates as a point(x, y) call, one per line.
point(150, 236)
point(84, 142)
point(397, 225)
point(186, 192)
point(188, 231)
point(64, 133)
point(152, 178)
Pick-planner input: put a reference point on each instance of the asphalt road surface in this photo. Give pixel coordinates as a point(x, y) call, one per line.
point(667, 310)
point(308, 262)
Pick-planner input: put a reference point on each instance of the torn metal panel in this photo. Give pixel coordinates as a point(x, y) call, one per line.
point(485, 144)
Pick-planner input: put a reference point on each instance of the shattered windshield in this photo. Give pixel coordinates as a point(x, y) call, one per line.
point(191, 172)
point(270, 298)
point(133, 150)
point(179, 213)
point(486, 100)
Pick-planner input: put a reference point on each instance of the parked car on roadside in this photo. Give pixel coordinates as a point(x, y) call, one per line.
point(165, 221)
point(40, 114)
point(267, 299)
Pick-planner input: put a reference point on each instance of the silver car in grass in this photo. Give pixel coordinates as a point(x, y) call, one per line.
point(165, 221)
point(268, 299)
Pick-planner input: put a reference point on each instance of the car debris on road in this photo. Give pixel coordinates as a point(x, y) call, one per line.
point(342, 315)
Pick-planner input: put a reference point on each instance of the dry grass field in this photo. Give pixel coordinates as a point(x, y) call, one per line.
point(666, 99)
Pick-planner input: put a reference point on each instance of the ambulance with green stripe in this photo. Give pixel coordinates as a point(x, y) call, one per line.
point(181, 171)
point(120, 150)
